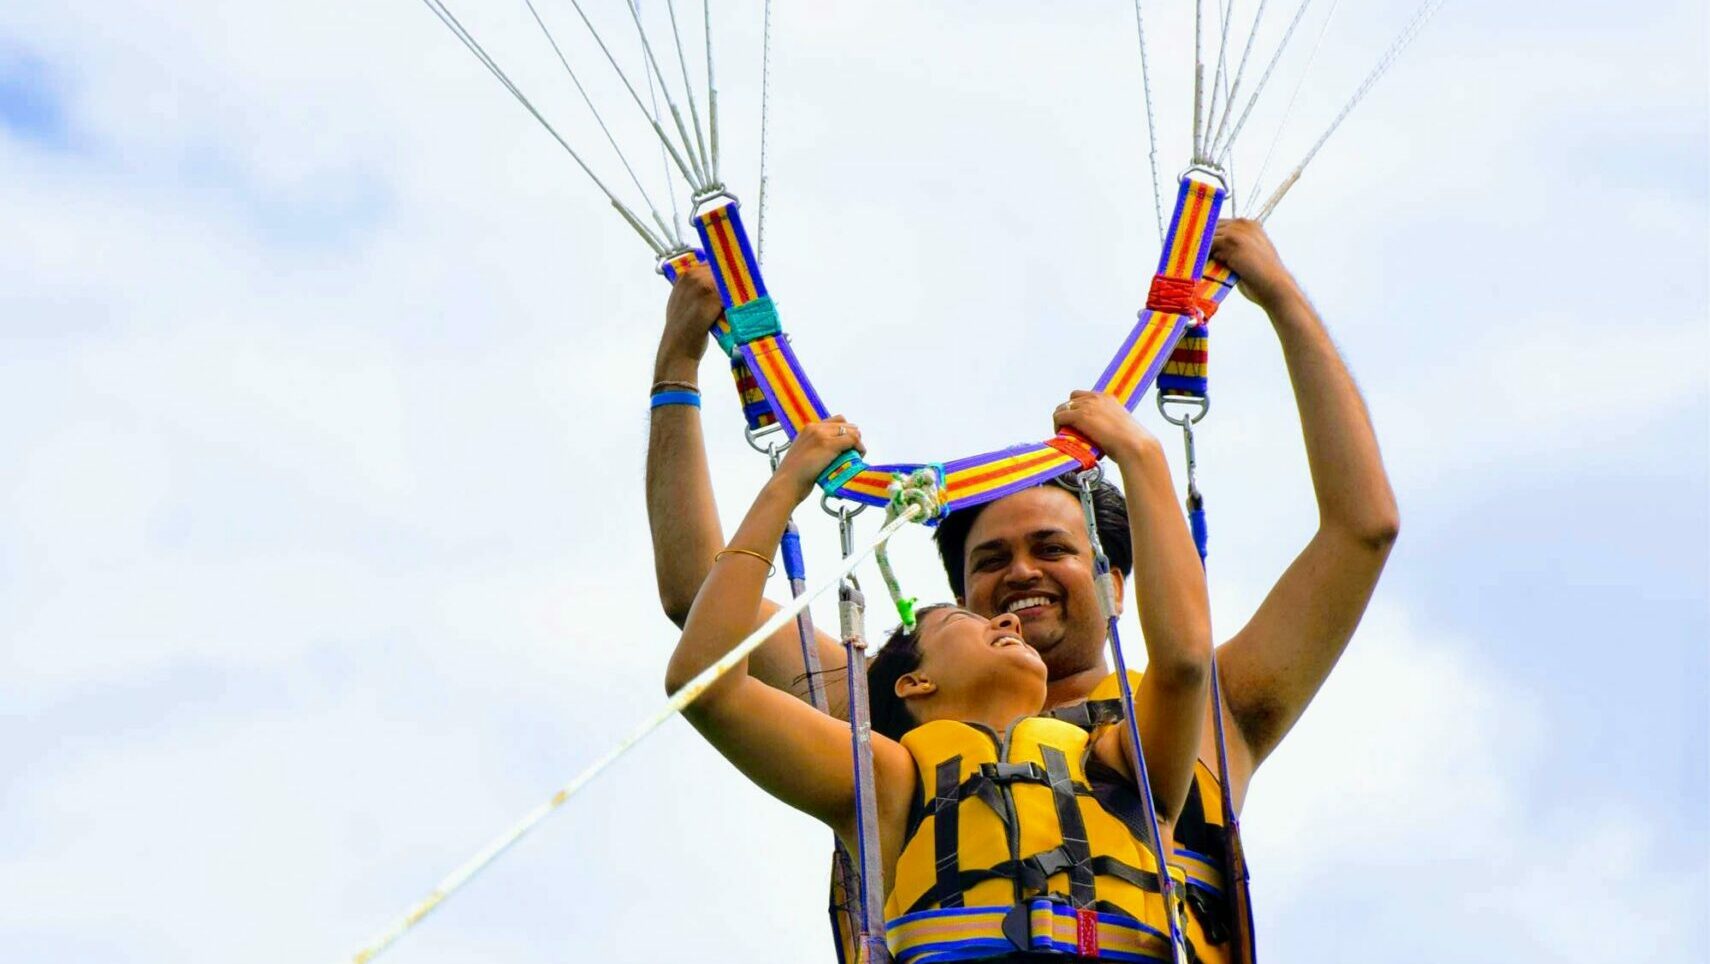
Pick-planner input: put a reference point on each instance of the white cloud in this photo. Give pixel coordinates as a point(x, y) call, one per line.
point(321, 554)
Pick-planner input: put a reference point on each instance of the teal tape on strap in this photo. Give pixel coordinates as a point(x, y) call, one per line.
point(726, 339)
point(753, 321)
point(838, 473)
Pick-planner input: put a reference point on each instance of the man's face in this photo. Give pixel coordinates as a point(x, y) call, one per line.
point(1028, 554)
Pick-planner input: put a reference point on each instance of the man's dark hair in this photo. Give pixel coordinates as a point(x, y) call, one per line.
point(1110, 511)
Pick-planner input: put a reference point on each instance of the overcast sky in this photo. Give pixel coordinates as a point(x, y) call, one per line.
point(322, 417)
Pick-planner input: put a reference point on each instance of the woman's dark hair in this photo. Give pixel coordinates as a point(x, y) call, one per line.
point(899, 657)
point(1110, 511)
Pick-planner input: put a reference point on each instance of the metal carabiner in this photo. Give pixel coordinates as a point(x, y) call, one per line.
point(845, 516)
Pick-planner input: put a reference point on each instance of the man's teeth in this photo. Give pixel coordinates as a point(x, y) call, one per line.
point(1027, 602)
point(1003, 641)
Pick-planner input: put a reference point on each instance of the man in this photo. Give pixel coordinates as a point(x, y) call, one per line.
point(1029, 552)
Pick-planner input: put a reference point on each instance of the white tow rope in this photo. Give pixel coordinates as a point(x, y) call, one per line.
point(682, 698)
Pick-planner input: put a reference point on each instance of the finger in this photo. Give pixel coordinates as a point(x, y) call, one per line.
point(837, 418)
point(1082, 393)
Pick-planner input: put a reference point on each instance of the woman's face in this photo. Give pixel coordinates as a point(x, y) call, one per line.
point(979, 667)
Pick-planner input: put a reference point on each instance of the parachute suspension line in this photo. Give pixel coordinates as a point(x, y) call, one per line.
point(652, 118)
point(1264, 79)
point(1288, 109)
point(651, 62)
point(851, 611)
point(681, 699)
point(1226, 161)
point(671, 233)
point(1420, 18)
point(1198, 79)
point(1234, 90)
point(1151, 120)
point(683, 64)
point(765, 128)
point(451, 22)
point(1220, 77)
point(712, 86)
point(1143, 781)
point(664, 161)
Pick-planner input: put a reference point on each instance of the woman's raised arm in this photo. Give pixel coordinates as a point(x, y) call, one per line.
point(788, 748)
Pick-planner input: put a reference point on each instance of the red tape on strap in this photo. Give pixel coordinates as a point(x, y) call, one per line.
point(1086, 932)
point(1177, 296)
point(1076, 446)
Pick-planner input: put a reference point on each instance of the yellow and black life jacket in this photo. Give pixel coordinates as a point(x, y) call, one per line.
point(1010, 849)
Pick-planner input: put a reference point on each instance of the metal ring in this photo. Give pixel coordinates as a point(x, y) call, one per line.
point(1092, 476)
point(1200, 403)
point(755, 435)
point(1214, 173)
point(699, 202)
point(842, 511)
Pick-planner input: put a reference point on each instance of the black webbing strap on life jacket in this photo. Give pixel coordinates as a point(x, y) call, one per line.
point(946, 809)
point(1072, 825)
point(1032, 874)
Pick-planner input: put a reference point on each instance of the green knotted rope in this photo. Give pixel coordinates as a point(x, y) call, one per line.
point(924, 487)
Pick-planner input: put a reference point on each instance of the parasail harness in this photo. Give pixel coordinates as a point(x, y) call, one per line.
point(1166, 347)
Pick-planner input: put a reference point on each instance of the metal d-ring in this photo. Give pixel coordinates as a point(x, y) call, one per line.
point(773, 450)
point(1200, 404)
point(1214, 173)
point(701, 201)
point(842, 509)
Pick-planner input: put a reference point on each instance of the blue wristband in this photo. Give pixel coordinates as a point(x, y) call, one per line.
point(661, 399)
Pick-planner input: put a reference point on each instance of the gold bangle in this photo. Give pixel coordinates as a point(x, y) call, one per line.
point(771, 570)
point(670, 384)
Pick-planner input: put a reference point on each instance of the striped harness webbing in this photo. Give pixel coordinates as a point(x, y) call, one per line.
point(1051, 927)
point(756, 410)
point(1171, 304)
point(1185, 371)
point(754, 334)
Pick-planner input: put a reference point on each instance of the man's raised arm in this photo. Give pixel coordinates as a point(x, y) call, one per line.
point(1274, 666)
point(681, 511)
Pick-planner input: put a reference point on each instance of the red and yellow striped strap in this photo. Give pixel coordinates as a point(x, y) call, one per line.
point(779, 376)
point(732, 257)
point(1181, 266)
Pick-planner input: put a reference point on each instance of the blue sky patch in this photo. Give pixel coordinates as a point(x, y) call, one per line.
point(31, 107)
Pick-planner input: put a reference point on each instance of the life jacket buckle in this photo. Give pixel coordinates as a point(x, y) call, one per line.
point(1013, 773)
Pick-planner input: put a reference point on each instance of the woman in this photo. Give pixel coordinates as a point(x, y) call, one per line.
point(1003, 834)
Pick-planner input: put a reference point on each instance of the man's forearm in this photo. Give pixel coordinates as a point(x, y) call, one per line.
point(681, 511)
point(1348, 478)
